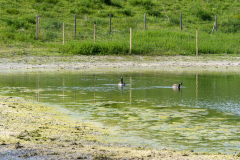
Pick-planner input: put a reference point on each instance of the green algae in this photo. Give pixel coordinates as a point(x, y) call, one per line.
point(61, 134)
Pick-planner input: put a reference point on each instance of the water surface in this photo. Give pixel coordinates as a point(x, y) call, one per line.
point(202, 116)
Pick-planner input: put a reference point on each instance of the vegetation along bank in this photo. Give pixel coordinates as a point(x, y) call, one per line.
point(42, 27)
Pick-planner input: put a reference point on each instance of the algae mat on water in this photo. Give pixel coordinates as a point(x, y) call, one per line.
point(32, 130)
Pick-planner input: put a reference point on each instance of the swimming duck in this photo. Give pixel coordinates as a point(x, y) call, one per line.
point(177, 85)
point(121, 83)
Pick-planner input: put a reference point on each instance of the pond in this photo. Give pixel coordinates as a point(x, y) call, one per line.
point(202, 116)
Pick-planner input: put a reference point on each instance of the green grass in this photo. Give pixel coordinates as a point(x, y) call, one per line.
point(155, 42)
point(163, 35)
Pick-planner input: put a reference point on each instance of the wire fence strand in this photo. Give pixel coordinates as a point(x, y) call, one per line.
point(162, 34)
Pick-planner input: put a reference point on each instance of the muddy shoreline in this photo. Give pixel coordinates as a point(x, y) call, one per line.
point(126, 63)
point(29, 130)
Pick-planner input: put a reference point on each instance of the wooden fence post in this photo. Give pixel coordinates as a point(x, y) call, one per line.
point(130, 51)
point(110, 21)
point(197, 43)
point(75, 26)
point(181, 21)
point(145, 21)
point(94, 32)
point(63, 34)
point(37, 27)
point(216, 23)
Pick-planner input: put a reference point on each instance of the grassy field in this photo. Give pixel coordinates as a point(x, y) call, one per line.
point(162, 35)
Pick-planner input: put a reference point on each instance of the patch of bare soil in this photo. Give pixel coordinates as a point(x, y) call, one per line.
point(124, 63)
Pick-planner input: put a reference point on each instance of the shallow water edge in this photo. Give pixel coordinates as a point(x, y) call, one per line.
point(32, 130)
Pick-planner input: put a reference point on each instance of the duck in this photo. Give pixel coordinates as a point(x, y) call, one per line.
point(121, 83)
point(177, 85)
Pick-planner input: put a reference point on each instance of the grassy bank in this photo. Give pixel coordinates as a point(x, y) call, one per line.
point(156, 42)
point(32, 130)
point(161, 36)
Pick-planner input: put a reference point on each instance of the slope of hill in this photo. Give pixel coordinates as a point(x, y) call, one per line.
point(18, 25)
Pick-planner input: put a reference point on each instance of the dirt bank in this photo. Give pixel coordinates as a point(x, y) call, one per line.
point(126, 63)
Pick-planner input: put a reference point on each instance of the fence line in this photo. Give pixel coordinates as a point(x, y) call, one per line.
point(130, 50)
point(63, 34)
point(197, 43)
point(181, 21)
point(37, 27)
point(94, 32)
point(148, 33)
point(111, 22)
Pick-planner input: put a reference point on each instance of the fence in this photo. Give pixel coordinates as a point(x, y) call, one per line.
point(150, 34)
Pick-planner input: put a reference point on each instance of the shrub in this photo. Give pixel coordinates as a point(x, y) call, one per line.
point(17, 23)
point(103, 14)
point(204, 15)
point(12, 11)
point(89, 48)
point(50, 36)
point(9, 35)
point(30, 19)
point(230, 26)
point(116, 4)
point(107, 2)
point(126, 12)
point(146, 3)
point(174, 20)
point(42, 6)
point(79, 10)
point(47, 1)
point(52, 1)
point(154, 13)
point(52, 25)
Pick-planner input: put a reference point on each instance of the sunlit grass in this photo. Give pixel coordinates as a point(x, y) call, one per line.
point(156, 42)
point(161, 37)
